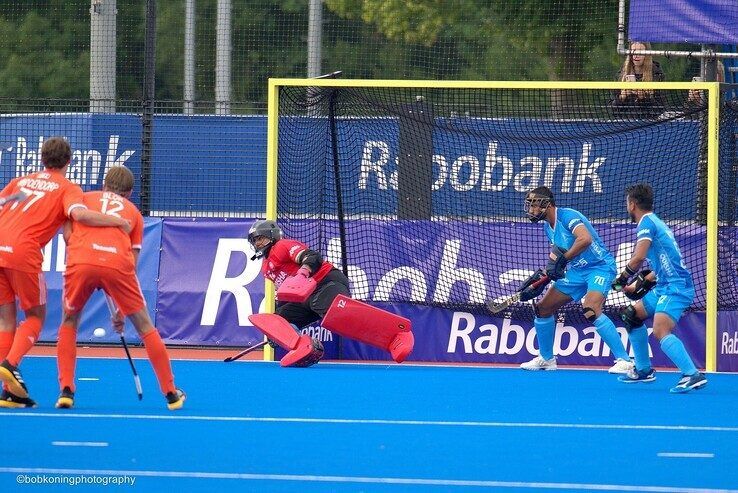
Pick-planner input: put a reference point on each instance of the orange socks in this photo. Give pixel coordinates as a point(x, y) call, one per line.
point(25, 337)
point(66, 355)
point(159, 358)
point(6, 340)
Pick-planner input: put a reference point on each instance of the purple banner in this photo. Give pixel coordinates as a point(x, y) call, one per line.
point(684, 21)
point(457, 336)
point(209, 286)
point(727, 341)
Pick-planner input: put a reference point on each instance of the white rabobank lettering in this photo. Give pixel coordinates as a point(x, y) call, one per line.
point(320, 333)
point(491, 162)
point(374, 159)
point(442, 175)
point(85, 167)
point(220, 282)
point(587, 171)
point(552, 165)
point(357, 276)
point(495, 173)
point(450, 274)
point(729, 344)
point(459, 169)
point(512, 339)
point(27, 160)
point(528, 178)
point(54, 249)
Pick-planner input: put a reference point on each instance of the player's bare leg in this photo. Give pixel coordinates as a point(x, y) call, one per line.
point(546, 330)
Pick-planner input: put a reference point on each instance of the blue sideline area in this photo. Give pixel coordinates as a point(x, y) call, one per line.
point(253, 426)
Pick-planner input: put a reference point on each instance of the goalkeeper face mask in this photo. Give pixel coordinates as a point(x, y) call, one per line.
point(262, 235)
point(536, 207)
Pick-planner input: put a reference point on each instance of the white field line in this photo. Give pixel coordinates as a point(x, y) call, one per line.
point(369, 422)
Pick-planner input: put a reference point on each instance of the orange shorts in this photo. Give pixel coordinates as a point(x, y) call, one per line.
point(81, 280)
point(28, 287)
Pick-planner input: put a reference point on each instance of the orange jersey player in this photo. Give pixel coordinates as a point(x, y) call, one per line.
point(25, 227)
point(105, 258)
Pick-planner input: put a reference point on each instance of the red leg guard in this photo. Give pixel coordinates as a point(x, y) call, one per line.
point(308, 352)
point(351, 318)
point(277, 329)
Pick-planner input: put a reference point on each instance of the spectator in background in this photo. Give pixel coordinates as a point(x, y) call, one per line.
point(639, 68)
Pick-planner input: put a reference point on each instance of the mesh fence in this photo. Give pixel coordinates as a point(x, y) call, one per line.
point(88, 58)
point(419, 192)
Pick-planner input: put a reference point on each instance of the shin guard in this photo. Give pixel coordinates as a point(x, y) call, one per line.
point(351, 318)
point(302, 350)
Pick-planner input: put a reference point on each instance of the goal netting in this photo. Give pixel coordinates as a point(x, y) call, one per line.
point(417, 192)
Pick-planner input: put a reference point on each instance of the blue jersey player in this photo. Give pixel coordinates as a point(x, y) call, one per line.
point(672, 293)
point(582, 269)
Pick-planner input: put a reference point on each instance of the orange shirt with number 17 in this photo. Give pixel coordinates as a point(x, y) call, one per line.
point(109, 246)
point(28, 225)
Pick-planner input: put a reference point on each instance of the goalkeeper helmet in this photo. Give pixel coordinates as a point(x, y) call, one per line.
point(268, 229)
point(537, 202)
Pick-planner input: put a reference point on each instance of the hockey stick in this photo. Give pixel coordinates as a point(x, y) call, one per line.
point(136, 379)
point(15, 197)
point(496, 307)
point(245, 352)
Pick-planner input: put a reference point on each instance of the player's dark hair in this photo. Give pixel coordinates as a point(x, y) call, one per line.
point(543, 192)
point(642, 195)
point(56, 153)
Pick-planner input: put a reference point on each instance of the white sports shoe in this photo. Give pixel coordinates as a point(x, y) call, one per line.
point(621, 366)
point(538, 363)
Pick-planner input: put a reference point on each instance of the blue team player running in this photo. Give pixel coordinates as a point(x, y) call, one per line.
point(591, 268)
point(673, 292)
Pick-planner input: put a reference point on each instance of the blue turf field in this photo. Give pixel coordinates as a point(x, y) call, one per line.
point(253, 426)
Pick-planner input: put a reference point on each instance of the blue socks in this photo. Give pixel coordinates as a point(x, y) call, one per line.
point(674, 349)
point(545, 331)
point(607, 331)
point(639, 342)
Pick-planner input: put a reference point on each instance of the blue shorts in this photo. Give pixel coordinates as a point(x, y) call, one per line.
point(578, 282)
point(671, 302)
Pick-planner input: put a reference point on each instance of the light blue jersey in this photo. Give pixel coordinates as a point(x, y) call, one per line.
point(591, 270)
point(664, 255)
point(595, 255)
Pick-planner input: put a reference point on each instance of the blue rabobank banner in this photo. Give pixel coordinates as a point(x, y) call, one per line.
point(209, 285)
point(483, 167)
point(209, 163)
point(684, 21)
point(200, 285)
point(224, 156)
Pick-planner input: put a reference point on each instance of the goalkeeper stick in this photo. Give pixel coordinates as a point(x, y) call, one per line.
point(496, 307)
point(136, 379)
point(245, 352)
point(15, 197)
